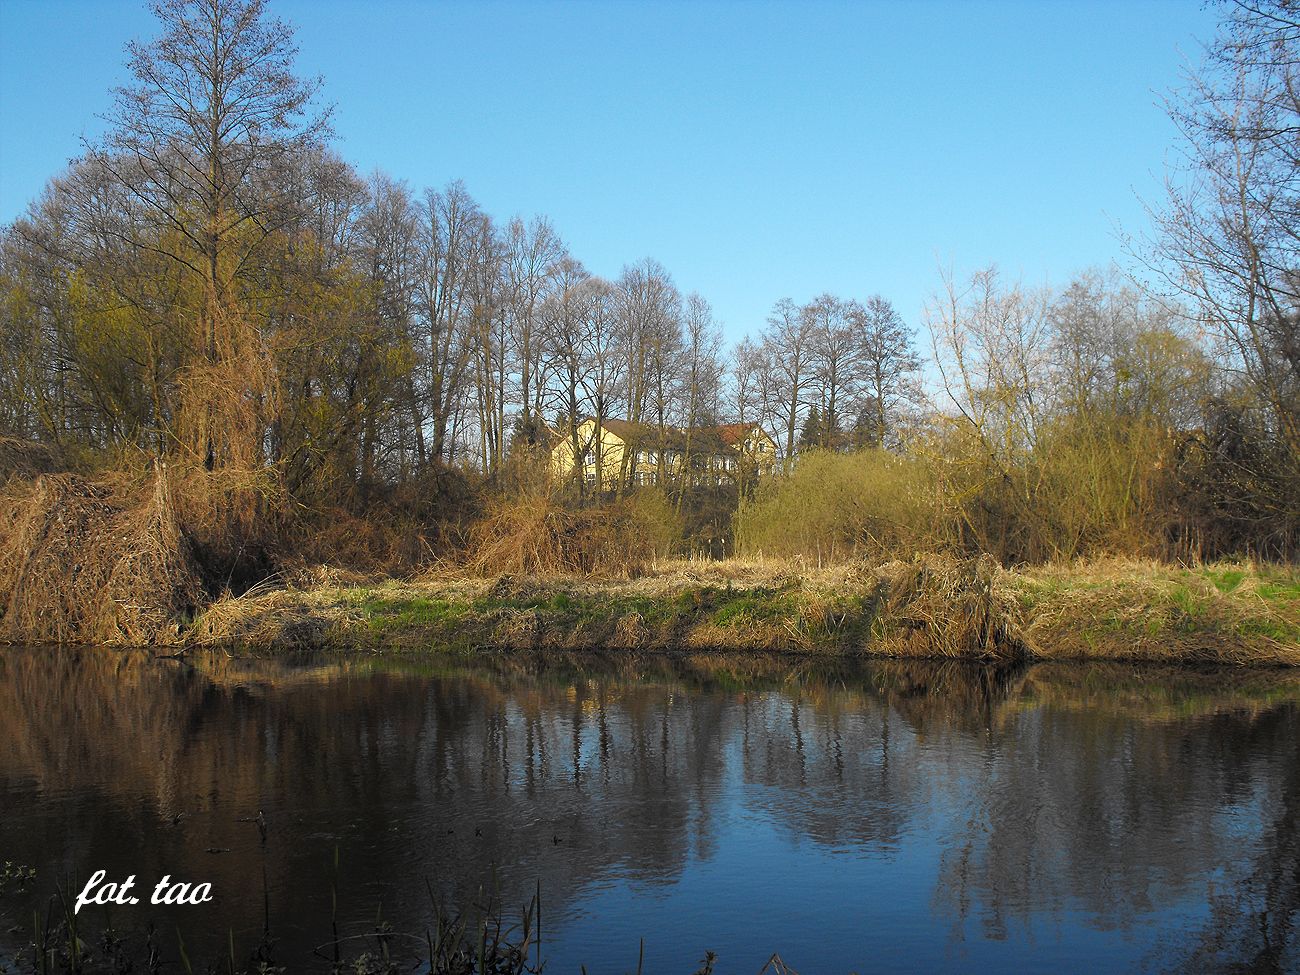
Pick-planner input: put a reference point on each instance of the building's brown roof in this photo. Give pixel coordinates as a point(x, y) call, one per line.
point(733, 433)
point(627, 431)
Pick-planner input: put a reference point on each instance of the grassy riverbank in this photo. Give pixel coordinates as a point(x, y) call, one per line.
point(85, 561)
point(1119, 610)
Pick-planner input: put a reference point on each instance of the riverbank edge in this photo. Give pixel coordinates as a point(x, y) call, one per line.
point(1237, 613)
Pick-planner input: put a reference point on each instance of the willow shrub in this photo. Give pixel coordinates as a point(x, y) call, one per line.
point(1097, 489)
point(832, 506)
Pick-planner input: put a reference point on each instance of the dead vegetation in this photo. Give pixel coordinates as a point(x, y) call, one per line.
point(536, 534)
point(94, 562)
point(926, 607)
point(25, 458)
point(952, 608)
point(1127, 609)
point(929, 606)
point(121, 561)
point(271, 616)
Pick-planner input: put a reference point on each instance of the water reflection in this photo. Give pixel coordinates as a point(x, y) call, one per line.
point(889, 815)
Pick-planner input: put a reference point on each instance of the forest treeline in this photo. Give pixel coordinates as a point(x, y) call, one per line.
point(340, 368)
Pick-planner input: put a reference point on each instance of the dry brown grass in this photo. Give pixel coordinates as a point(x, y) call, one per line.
point(1142, 609)
point(25, 458)
point(270, 616)
point(953, 608)
point(537, 534)
point(108, 562)
point(740, 571)
point(929, 606)
point(94, 561)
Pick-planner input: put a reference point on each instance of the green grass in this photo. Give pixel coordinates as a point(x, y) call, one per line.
point(1280, 592)
point(734, 608)
point(384, 616)
point(1273, 629)
point(1223, 611)
point(1274, 584)
point(1225, 580)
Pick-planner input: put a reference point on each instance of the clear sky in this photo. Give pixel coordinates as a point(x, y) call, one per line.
point(757, 150)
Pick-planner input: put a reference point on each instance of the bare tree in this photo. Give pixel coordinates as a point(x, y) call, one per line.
point(533, 253)
point(390, 254)
point(582, 333)
point(748, 391)
point(492, 348)
point(214, 111)
point(651, 332)
point(992, 346)
point(603, 360)
point(1229, 233)
point(835, 327)
point(889, 363)
point(787, 347)
point(701, 374)
point(455, 239)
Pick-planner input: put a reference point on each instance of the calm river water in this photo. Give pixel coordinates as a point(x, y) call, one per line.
point(873, 818)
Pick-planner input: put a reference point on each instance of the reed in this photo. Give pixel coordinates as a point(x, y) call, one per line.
point(94, 561)
point(539, 534)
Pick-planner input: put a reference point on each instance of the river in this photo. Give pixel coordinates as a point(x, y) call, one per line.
point(850, 816)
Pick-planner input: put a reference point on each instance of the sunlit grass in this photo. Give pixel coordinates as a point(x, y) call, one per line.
point(1122, 609)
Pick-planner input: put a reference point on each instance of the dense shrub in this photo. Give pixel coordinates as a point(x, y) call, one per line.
point(831, 506)
point(539, 533)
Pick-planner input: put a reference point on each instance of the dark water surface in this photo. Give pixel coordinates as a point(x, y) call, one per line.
point(872, 818)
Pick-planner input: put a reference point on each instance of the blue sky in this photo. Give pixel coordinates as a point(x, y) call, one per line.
point(757, 150)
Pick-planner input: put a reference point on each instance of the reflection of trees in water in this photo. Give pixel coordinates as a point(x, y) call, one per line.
point(1253, 922)
point(1073, 809)
point(826, 767)
point(413, 777)
point(1050, 788)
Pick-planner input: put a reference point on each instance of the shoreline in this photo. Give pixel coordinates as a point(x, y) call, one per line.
point(931, 607)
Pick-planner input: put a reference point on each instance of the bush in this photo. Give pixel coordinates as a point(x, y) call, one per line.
point(538, 534)
point(94, 562)
point(834, 506)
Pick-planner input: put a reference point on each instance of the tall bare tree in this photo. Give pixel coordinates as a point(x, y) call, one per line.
point(564, 321)
point(533, 254)
point(701, 373)
point(215, 110)
point(889, 363)
point(1230, 228)
point(389, 253)
point(835, 328)
point(455, 241)
point(650, 310)
point(787, 347)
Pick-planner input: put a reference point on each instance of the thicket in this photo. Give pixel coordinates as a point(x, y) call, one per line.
point(1090, 487)
point(537, 533)
point(1087, 422)
point(832, 506)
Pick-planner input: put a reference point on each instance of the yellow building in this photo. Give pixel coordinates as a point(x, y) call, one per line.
point(617, 451)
